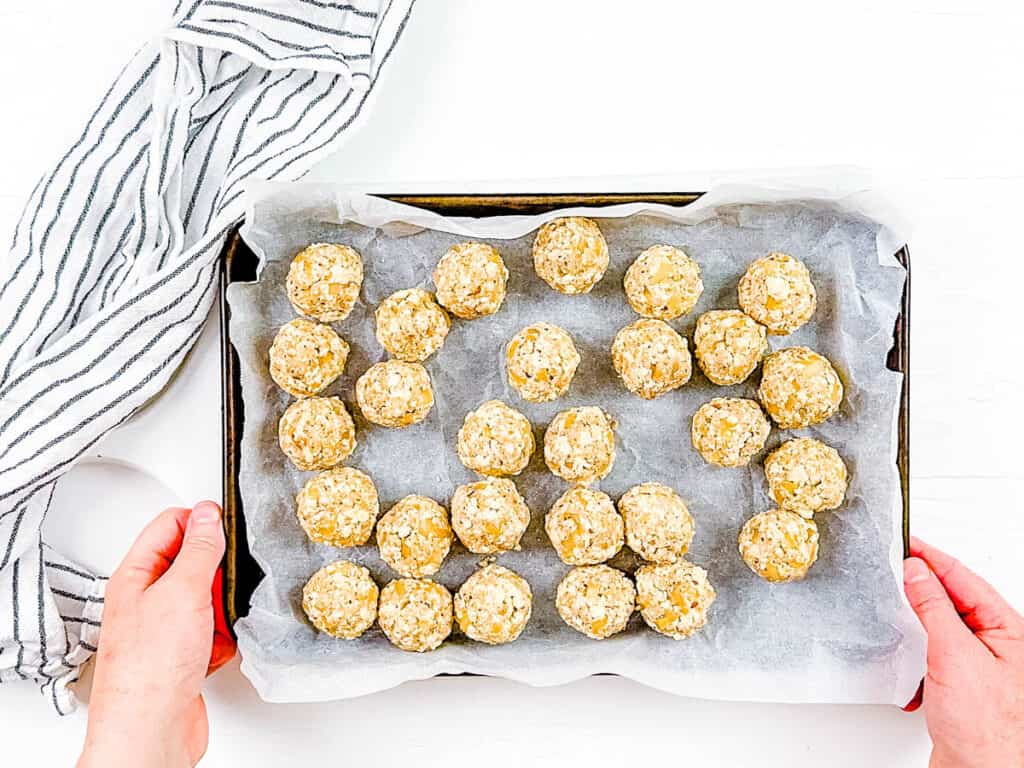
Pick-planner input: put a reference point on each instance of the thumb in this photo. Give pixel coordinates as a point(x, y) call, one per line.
point(201, 550)
point(946, 630)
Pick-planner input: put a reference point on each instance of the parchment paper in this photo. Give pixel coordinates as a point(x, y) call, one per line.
point(845, 634)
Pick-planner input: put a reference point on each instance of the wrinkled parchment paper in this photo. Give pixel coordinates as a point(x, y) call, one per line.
point(845, 634)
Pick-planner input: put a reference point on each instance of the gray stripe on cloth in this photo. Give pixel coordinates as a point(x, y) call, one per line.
point(114, 261)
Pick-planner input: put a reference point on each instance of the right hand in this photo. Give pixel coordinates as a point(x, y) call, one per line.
point(973, 693)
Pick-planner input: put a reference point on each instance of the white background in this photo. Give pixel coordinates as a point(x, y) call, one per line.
point(927, 95)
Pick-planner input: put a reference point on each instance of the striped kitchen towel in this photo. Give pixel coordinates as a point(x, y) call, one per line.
point(113, 265)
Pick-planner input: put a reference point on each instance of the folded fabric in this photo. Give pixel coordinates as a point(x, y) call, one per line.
point(113, 264)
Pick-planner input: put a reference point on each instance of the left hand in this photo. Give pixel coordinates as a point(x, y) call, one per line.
point(157, 645)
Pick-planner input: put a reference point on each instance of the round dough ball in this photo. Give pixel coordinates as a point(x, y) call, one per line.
point(659, 527)
point(541, 361)
point(415, 614)
point(495, 439)
point(470, 279)
point(341, 599)
point(596, 600)
point(779, 545)
point(414, 536)
point(584, 527)
point(729, 430)
point(489, 515)
point(306, 357)
point(395, 393)
point(651, 358)
point(674, 599)
point(728, 345)
point(570, 254)
point(806, 476)
point(799, 388)
point(410, 325)
point(493, 605)
point(316, 433)
point(663, 283)
point(579, 445)
point(776, 291)
point(324, 280)
point(338, 507)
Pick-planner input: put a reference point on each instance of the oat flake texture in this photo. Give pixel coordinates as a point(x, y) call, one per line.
point(338, 507)
point(728, 431)
point(659, 527)
point(728, 345)
point(414, 536)
point(651, 358)
point(341, 600)
point(806, 476)
point(495, 439)
point(777, 292)
point(570, 254)
point(317, 433)
point(596, 600)
point(541, 360)
point(324, 281)
point(306, 357)
point(493, 605)
point(663, 283)
point(779, 545)
point(415, 614)
point(579, 445)
point(470, 279)
point(799, 388)
point(395, 394)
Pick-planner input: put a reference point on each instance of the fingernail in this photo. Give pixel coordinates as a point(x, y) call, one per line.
point(914, 570)
point(205, 512)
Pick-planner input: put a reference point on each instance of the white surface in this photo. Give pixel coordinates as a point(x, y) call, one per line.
point(927, 93)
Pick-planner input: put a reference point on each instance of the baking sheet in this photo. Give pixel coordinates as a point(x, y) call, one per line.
point(845, 634)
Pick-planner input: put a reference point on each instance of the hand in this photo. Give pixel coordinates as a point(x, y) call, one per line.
point(973, 693)
point(157, 644)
